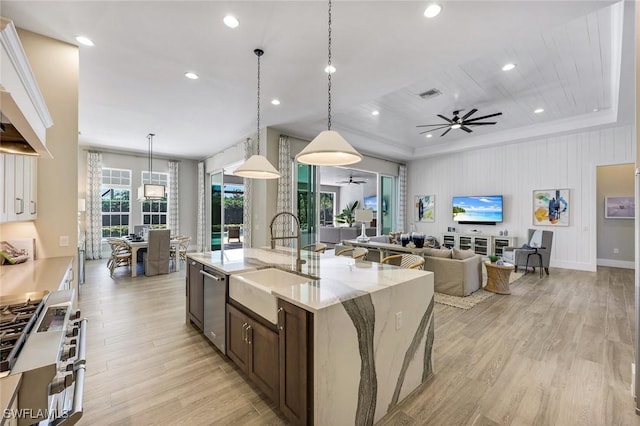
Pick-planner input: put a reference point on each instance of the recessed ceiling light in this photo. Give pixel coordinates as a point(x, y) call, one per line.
point(539, 110)
point(275, 102)
point(231, 21)
point(84, 40)
point(508, 67)
point(596, 110)
point(191, 75)
point(428, 135)
point(432, 10)
point(330, 69)
point(375, 112)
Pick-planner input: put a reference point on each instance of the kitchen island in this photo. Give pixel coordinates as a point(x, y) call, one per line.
point(355, 338)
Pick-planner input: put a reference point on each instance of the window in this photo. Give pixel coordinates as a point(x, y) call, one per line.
point(154, 212)
point(327, 208)
point(116, 195)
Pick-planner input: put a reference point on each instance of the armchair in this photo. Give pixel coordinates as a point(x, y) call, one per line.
point(540, 242)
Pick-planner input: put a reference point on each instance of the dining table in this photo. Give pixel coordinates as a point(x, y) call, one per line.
point(136, 244)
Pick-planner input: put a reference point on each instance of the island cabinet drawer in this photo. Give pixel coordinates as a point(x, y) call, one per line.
point(296, 362)
point(253, 346)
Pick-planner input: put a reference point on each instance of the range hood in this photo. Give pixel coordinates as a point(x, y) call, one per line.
point(24, 117)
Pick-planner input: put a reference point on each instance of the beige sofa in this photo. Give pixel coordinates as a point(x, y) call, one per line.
point(457, 276)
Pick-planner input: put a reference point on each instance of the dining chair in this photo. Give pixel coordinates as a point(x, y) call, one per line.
point(120, 254)
point(156, 259)
point(407, 260)
point(179, 252)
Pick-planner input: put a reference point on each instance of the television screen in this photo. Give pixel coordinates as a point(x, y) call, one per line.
point(371, 202)
point(485, 209)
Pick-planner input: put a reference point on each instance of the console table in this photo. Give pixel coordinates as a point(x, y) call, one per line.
point(385, 249)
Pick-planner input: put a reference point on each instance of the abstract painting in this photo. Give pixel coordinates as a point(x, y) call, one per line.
point(619, 207)
point(551, 207)
point(425, 208)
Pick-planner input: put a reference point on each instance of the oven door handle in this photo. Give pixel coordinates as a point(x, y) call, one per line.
point(79, 369)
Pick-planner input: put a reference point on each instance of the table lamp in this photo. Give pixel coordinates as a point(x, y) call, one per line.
point(365, 216)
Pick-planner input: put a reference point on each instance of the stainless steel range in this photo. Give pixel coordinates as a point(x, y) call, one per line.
point(43, 338)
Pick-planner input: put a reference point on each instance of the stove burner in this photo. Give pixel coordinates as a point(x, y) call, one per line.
point(16, 321)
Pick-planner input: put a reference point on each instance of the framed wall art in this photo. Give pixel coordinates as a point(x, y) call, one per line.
point(425, 208)
point(619, 207)
point(551, 207)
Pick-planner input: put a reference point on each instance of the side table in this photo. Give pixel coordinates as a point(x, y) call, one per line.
point(498, 277)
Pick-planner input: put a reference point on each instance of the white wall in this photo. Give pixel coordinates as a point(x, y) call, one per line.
point(565, 161)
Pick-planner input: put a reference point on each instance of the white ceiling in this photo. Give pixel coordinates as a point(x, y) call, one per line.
point(568, 56)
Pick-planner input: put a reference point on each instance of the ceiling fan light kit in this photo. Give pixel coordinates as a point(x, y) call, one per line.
point(329, 148)
point(257, 166)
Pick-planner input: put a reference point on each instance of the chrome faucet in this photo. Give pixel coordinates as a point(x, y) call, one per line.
point(299, 261)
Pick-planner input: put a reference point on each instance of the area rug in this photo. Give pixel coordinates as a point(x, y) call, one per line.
point(474, 298)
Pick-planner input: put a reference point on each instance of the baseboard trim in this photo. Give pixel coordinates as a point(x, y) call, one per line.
point(625, 264)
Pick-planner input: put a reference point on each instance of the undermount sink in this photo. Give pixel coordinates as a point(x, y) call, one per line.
point(253, 290)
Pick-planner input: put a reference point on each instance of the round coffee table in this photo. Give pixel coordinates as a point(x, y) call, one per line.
point(498, 277)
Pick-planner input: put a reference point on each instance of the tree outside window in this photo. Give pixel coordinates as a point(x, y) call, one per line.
point(116, 198)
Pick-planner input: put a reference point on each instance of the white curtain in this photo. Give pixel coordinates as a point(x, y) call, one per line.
point(93, 248)
point(402, 199)
point(247, 211)
point(174, 210)
point(285, 195)
point(201, 223)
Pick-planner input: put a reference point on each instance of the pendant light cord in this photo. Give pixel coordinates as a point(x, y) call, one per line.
point(329, 71)
point(258, 121)
point(150, 138)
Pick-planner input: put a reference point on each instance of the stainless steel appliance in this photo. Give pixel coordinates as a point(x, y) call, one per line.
point(215, 296)
point(49, 350)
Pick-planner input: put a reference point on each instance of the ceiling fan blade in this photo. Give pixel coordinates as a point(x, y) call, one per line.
point(480, 124)
point(469, 114)
point(445, 118)
point(466, 129)
point(433, 130)
point(485, 116)
point(445, 132)
point(429, 125)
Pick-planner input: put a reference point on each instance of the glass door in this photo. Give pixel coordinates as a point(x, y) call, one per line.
point(217, 212)
point(387, 204)
point(307, 195)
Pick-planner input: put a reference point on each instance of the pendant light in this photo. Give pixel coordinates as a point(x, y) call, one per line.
point(150, 191)
point(329, 148)
point(257, 166)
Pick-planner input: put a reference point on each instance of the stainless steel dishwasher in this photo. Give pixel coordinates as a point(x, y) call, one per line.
point(215, 303)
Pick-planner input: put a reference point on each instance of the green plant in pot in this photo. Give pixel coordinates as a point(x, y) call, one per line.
point(493, 258)
point(348, 214)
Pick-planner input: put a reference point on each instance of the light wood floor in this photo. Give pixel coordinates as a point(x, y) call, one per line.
point(557, 351)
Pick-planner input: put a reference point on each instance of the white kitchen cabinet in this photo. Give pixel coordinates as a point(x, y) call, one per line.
point(19, 190)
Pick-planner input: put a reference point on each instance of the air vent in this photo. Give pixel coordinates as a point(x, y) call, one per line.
point(431, 93)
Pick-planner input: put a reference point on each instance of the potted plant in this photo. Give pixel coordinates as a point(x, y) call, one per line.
point(348, 214)
point(493, 258)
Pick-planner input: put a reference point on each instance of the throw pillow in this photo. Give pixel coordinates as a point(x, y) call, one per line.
point(438, 253)
point(461, 254)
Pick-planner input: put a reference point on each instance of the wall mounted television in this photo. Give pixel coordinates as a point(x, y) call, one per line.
point(477, 210)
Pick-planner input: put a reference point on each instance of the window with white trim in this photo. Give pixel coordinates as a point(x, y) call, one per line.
point(116, 202)
point(155, 212)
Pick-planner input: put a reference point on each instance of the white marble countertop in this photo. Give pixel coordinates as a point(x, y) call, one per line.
point(332, 279)
point(33, 276)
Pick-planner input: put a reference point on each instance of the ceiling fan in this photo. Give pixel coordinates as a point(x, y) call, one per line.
point(352, 180)
point(457, 122)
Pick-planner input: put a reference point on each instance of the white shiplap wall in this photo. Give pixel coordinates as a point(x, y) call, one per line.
point(564, 161)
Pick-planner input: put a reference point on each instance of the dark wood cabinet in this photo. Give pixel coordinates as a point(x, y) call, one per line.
point(195, 294)
point(296, 362)
point(253, 346)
